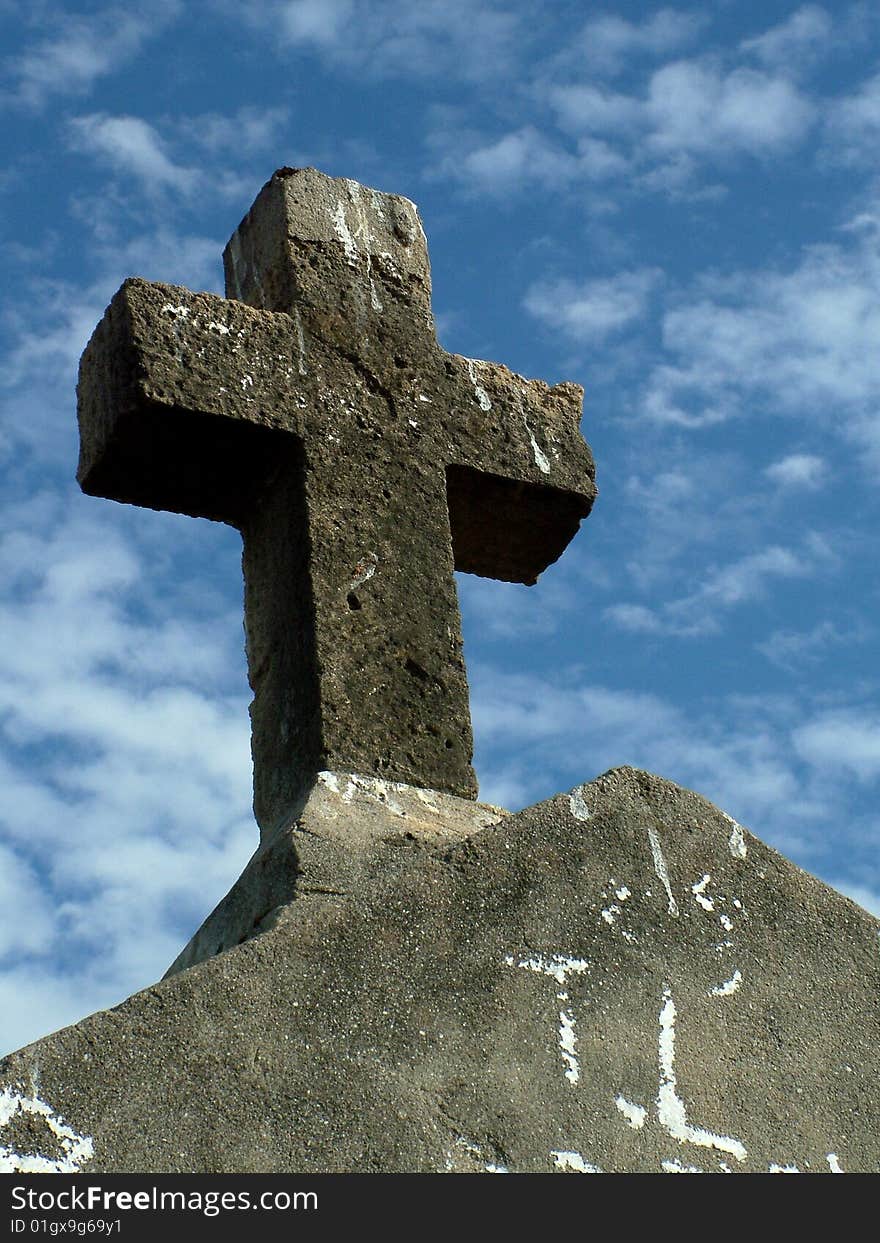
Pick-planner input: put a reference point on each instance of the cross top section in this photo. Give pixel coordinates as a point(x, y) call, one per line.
point(313, 409)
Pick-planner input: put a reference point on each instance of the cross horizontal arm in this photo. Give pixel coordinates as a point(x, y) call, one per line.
point(164, 360)
point(162, 363)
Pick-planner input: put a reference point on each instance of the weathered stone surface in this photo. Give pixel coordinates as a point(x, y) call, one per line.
point(346, 830)
point(361, 462)
point(619, 978)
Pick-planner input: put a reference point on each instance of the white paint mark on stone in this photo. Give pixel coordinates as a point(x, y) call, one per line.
point(670, 1107)
point(344, 233)
point(330, 780)
point(375, 788)
point(783, 1169)
point(737, 842)
point(559, 966)
point(247, 381)
point(541, 460)
point(675, 1167)
point(481, 394)
point(578, 804)
point(179, 312)
point(77, 1149)
point(422, 397)
point(622, 893)
point(573, 1162)
point(610, 913)
point(661, 870)
point(833, 1163)
point(364, 235)
point(726, 923)
point(698, 890)
point(635, 1114)
point(213, 326)
point(728, 987)
point(568, 1046)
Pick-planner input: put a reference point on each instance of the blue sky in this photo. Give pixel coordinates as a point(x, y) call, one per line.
point(676, 207)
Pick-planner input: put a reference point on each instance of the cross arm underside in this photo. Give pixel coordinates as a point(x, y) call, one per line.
point(163, 364)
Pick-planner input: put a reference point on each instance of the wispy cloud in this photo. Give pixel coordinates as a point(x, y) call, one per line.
point(131, 146)
point(471, 39)
point(83, 49)
point(568, 729)
point(799, 341)
point(608, 43)
point(248, 128)
point(739, 582)
point(794, 650)
point(795, 44)
point(846, 741)
point(592, 310)
point(798, 470)
point(853, 126)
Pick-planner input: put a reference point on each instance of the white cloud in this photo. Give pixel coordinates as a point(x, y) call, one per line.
point(798, 470)
point(83, 49)
point(108, 698)
point(693, 107)
point(26, 926)
point(132, 147)
point(592, 310)
point(585, 106)
point(846, 741)
point(799, 342)
point(518, 158)
point(793, 45)
point(635, 618)
point(853, 126)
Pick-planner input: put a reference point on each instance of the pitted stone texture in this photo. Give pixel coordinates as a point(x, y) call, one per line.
point(337, 843)
point(361, 462)
point(618, 979)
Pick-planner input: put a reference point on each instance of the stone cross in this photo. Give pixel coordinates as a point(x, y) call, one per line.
point(314, 409)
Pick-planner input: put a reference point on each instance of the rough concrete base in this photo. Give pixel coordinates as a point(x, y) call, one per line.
point(617, 979)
